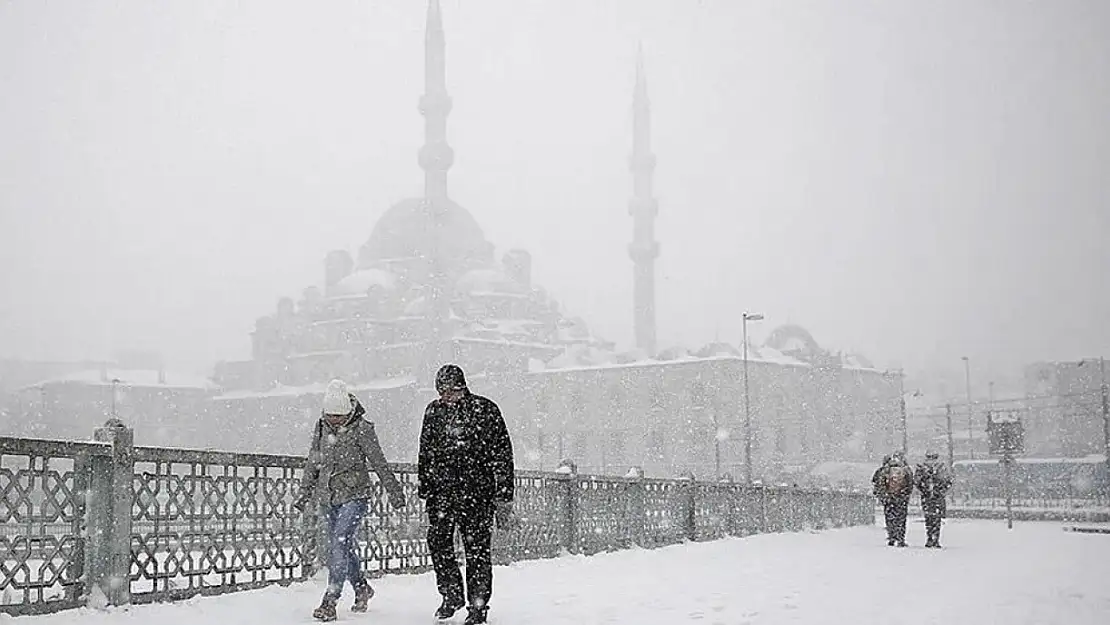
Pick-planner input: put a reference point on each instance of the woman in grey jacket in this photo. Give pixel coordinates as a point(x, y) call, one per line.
point(343, 451)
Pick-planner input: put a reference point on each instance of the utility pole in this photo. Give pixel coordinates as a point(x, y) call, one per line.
point(747, 407)
point(902, 408)
point(951, 445)
point(970, 435)
point(1105, 413)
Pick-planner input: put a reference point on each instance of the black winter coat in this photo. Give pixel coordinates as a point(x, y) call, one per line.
point(466, 455)
point(933, 481)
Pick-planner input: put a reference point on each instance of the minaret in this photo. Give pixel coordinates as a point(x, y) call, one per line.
point(643, 208)
point(436, 157)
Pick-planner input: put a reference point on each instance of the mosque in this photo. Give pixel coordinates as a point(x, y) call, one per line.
point(427, 288)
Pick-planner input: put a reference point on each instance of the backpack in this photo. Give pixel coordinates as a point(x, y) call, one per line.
point(896, 480)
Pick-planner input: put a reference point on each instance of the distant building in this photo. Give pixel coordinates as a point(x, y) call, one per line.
point(1064, 415)
point(166, 408)
point(426, 288)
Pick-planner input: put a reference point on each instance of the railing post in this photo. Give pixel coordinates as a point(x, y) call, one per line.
point(690, 506)
point(637, 508)
point(109, 501)
point(762, 508)
point(568, 473)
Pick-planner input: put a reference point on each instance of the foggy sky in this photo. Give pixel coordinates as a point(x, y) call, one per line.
point(915, 181)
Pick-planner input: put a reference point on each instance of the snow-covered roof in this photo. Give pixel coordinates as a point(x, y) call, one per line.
point(318, 388)
point(359, 282)
point(134, 378)
point(586, 358)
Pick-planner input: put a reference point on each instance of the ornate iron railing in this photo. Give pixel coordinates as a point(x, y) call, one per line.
point(108, 522)
point(44, 487)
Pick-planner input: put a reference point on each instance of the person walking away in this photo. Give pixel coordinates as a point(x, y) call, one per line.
point(933, 481)
point(344, 449)
point(893, 485)
point(466, 475)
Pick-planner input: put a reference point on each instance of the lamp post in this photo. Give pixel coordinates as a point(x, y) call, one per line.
point(1104, 393)
point(115, 392)
point(970, 439)
point(902, 409)
point(747, 408)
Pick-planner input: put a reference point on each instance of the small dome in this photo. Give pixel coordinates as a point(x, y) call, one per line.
point(361, 281)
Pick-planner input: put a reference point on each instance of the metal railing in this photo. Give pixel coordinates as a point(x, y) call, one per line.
point(1094, 502)
point(106, 522)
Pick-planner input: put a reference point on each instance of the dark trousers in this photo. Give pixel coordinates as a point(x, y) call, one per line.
point(932, 528)
point(896, 513)
point(343, 563)
point(934, 509)
point(474, 521)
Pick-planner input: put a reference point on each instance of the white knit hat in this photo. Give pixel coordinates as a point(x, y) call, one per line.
point(337, 401)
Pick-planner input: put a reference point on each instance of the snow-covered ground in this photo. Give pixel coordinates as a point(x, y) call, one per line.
point(1036, 573)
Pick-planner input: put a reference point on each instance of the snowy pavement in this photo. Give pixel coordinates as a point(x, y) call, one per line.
point(1037, 573)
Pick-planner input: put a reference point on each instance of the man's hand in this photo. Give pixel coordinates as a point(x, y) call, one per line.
point(299, 505)
point(503, 515)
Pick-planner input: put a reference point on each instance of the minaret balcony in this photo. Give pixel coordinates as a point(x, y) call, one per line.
point(436, 156)
point(643, 207)
point(643, 252)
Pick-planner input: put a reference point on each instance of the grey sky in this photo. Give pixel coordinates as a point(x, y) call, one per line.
point(915, 181)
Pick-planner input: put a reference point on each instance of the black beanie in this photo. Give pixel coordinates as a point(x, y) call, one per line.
point(450, 377)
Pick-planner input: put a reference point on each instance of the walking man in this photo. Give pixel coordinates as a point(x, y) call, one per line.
point(343, 450)
point(933, 481)
point(893, 485)
point(466, 477)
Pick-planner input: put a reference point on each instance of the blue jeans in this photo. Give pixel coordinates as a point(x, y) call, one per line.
point(343, 564)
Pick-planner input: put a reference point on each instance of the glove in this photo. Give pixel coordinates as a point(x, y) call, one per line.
point(397, 500)
point(503, 515)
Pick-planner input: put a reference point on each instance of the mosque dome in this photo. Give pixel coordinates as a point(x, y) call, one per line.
point(414, 228)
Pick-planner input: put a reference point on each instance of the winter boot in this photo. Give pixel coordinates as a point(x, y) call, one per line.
point(475, 616)
point(448, 608)
point(326, 611)
point(363, 594)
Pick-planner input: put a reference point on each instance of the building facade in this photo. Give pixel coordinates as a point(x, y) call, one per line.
point(1064, 412)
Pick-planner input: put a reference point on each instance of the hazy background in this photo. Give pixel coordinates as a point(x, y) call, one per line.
point(913, 180)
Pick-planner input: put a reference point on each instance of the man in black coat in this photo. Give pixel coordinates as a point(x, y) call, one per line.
point(933, 481)
point(466, 477)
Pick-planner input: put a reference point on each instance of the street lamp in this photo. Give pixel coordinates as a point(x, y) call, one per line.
point(747, 408)
point(970, 441)
point(1105, 396)
point(115, 393)
point(902, 410)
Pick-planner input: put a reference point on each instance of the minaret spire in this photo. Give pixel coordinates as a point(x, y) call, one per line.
point(643, 208)
point(436, 156)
